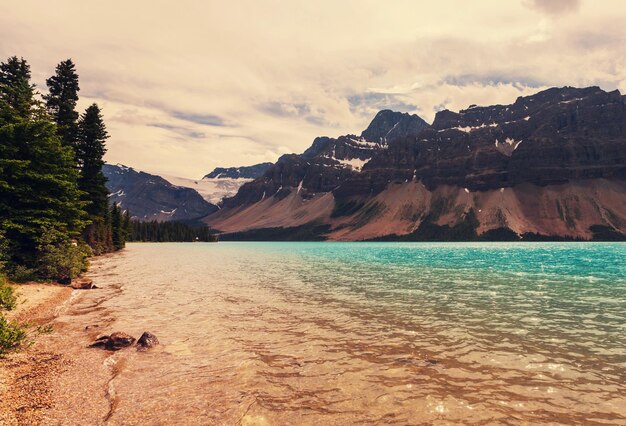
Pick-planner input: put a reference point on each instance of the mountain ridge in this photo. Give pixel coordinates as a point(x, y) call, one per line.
point(561, 150)
point(245, 172)
point(151, 197)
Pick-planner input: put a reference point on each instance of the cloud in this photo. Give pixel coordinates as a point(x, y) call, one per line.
point(205, 119)
point(236, 83)
point(294, 110)
point(491, 79)
point(376, 100)
point(188, 133)
point(553, 7)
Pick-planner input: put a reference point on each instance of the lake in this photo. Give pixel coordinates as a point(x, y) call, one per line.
point(369, 333)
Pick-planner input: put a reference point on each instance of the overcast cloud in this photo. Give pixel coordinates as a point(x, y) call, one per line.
point(187, 86)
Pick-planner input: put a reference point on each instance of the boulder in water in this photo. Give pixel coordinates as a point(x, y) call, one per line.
point(147, 341)
point(114, 342)
point(82, 284)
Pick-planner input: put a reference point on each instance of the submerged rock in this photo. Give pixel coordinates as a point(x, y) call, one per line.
point(114, 342)
point(147, 341)
point(82, 284)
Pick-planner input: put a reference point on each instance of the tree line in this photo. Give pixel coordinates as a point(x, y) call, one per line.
point(154, 231)
point(54, 210)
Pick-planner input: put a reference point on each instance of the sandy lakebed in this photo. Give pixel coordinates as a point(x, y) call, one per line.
point(332, 334)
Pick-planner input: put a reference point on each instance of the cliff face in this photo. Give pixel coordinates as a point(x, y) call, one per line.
point(552, 164)
point(548, 138)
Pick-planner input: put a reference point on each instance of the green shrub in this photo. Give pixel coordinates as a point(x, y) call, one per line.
point(23, 274)
point(12, 335)
point(61, 259)
point(4, 250)
point(7, 296)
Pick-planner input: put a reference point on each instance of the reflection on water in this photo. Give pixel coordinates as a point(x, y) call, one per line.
point(356, 333)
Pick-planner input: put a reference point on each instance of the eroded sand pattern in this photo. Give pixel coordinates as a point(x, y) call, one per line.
point(314, 333)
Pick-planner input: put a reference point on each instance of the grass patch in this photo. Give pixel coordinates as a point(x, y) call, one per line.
point(45, 329)
point(8, 299)
point(12, 335)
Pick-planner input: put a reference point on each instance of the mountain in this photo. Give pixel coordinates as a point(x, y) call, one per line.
point(328, 162)
point(389, 125)
point(150, 197)
point(245, 172)
point(551, 165)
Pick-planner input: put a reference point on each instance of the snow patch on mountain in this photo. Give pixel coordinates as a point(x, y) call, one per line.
point(212, 190)
point(468, 129)
point(119, 193)
point(355, 163)
point(364, 144)
point(508, 146)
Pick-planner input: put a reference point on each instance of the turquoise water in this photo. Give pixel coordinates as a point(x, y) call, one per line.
point(552, 294)
point(355, 333)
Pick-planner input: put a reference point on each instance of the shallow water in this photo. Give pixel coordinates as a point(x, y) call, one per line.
point(370, 333)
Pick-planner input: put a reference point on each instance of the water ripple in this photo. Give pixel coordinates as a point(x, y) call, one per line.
point(351, 333)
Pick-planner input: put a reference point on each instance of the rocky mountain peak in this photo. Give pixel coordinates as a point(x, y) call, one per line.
point(320, 144)
point(388, 125)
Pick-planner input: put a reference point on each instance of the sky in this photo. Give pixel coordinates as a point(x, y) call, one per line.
point(187, 86)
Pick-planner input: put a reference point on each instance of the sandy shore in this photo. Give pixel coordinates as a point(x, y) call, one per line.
point(25, 376)
point(57, 378)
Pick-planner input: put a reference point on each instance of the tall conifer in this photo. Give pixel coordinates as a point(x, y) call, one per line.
point(61, 101)
point(90, 149)
point(38, 177)
point(16, 91)
point(117, 230)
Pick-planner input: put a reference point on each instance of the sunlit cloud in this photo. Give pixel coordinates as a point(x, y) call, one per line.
point(190, 86)
point(554, 7)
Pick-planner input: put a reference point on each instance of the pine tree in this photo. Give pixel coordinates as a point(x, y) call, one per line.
point(16, 102)
point(90, 148)
point(127, 226)
point(61, 101)
point(117, 230)
point(38, 179)
point(15, 88)
point(106, 233)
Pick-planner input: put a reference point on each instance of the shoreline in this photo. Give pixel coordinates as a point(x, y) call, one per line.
point(26, 375)
point(55, 371)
